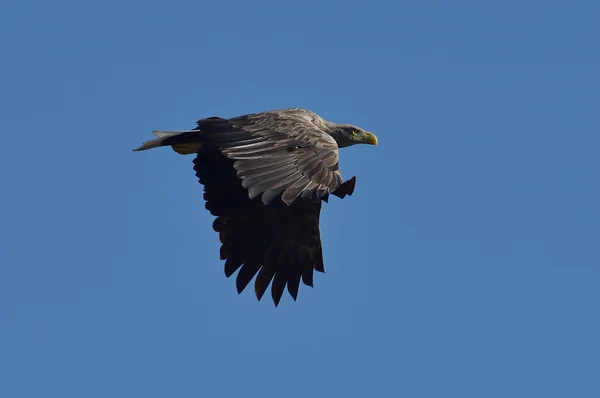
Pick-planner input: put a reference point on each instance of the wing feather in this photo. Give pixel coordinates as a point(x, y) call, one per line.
point(285, 151)
point(275, 244)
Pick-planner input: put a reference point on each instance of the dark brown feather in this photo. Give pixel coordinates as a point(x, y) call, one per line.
point(278, 242)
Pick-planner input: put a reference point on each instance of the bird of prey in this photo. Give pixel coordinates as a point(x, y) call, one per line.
point(265, 176)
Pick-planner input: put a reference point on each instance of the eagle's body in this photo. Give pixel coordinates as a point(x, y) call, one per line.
point(265, 176)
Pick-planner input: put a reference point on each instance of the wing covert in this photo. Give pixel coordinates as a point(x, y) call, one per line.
point(284, 152)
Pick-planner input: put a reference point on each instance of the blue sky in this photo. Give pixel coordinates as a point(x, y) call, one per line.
point(466, 264)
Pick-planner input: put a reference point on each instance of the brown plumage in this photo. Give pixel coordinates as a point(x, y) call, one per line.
point(265, 176)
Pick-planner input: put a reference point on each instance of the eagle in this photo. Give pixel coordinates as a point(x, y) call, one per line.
point(265, 176)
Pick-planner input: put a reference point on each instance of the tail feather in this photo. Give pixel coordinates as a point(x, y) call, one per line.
point(164, 138)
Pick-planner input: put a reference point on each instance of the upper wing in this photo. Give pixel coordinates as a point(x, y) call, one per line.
point(279, 152)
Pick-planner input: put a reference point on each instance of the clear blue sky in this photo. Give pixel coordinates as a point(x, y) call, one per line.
point(467, 263)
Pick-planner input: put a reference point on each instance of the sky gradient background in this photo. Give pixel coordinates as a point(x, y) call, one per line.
point(466, 264)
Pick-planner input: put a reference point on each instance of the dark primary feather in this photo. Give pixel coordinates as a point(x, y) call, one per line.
point(280, 243)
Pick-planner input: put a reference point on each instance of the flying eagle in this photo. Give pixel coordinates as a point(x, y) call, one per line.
point(265, 176)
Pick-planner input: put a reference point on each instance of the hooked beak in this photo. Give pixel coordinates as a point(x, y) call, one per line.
point(371, 139)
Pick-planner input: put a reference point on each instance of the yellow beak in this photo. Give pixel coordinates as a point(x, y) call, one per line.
point(371, 139)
